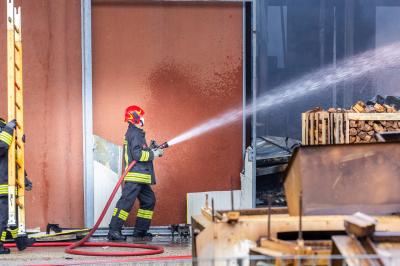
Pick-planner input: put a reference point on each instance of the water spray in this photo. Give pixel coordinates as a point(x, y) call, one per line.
point(352, 68)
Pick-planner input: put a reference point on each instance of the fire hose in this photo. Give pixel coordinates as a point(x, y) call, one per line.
point(150, 250)
point(71, 246)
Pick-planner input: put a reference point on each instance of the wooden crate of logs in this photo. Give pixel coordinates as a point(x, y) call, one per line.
point(340, 126)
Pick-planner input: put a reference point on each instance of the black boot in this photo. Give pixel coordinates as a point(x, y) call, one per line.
point(142, 235)
point(114, 235)
point(23, 242)
point(4, 250)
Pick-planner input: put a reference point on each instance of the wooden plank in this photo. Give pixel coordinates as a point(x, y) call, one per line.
point(281, 258)
point(303, 128)
point(347, 247)
point(206, 213)
point(328, 122)
point(341, 128)
point(267, 252)
point(323, 118)
point(259, 211)
point(331, 129)
point(334, 129)
point(355, 251)
point(307, 129)
point(316, 131)
point(64, 235)
point(286, 223)
point(200, 222)
point(374, 116)
point(222, 239)
point(279, 245)
point(339, 125)
point(347, 128)
point(58, 238)
point(311, 117)
point(336, 125)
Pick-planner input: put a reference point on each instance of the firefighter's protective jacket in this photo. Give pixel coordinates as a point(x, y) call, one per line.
point(136, 149)
point(6, 135)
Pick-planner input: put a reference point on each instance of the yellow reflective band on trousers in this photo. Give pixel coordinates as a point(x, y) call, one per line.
point(145, 156)
point(123, 215)
point(14, 232)
point(3, 236)
point(5, 137)
point(4, 189)
point(115, 211)
point(138, 177)
point(145, 214)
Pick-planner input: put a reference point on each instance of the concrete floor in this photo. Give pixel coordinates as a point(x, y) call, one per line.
point(57, 256)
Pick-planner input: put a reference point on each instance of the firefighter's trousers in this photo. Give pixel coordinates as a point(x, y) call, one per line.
point(4, 231)
point(147, 201)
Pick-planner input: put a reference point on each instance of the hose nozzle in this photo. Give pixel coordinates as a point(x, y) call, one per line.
point(163, 146)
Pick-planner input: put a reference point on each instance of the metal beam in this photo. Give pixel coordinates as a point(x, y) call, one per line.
point(160, 1)
point(244, 80)
point(254, 94)
point(87, 110)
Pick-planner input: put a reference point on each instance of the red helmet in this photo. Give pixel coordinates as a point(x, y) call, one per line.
point(133, 114)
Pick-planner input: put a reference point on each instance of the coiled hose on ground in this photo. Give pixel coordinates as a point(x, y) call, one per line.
point(71, 246)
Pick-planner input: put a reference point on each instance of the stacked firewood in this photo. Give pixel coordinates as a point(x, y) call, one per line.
point(364, 131)
point(359, 130)
point(361, 107)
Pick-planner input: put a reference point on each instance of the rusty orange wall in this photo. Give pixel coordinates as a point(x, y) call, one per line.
point(182, 63)
point(52, 79)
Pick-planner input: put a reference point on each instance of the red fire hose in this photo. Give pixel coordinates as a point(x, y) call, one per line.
point(151, 250)
point(71, 246)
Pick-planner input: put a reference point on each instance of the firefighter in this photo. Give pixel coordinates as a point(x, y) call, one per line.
point(6, 134)
point(137, 183)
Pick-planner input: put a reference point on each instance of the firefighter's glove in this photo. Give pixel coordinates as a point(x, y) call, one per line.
point(153, 145)
point(28, 184)
point(158, 152)
point(12, 124)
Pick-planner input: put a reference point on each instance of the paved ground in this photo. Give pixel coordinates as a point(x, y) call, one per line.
point(57, 256)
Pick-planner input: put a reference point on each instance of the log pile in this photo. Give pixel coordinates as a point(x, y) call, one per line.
point(361, 107)
point(364, 131)
point(356, 125)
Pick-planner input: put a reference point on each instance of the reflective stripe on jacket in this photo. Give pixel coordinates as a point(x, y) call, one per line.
point(6, 135)
point(136, 149)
